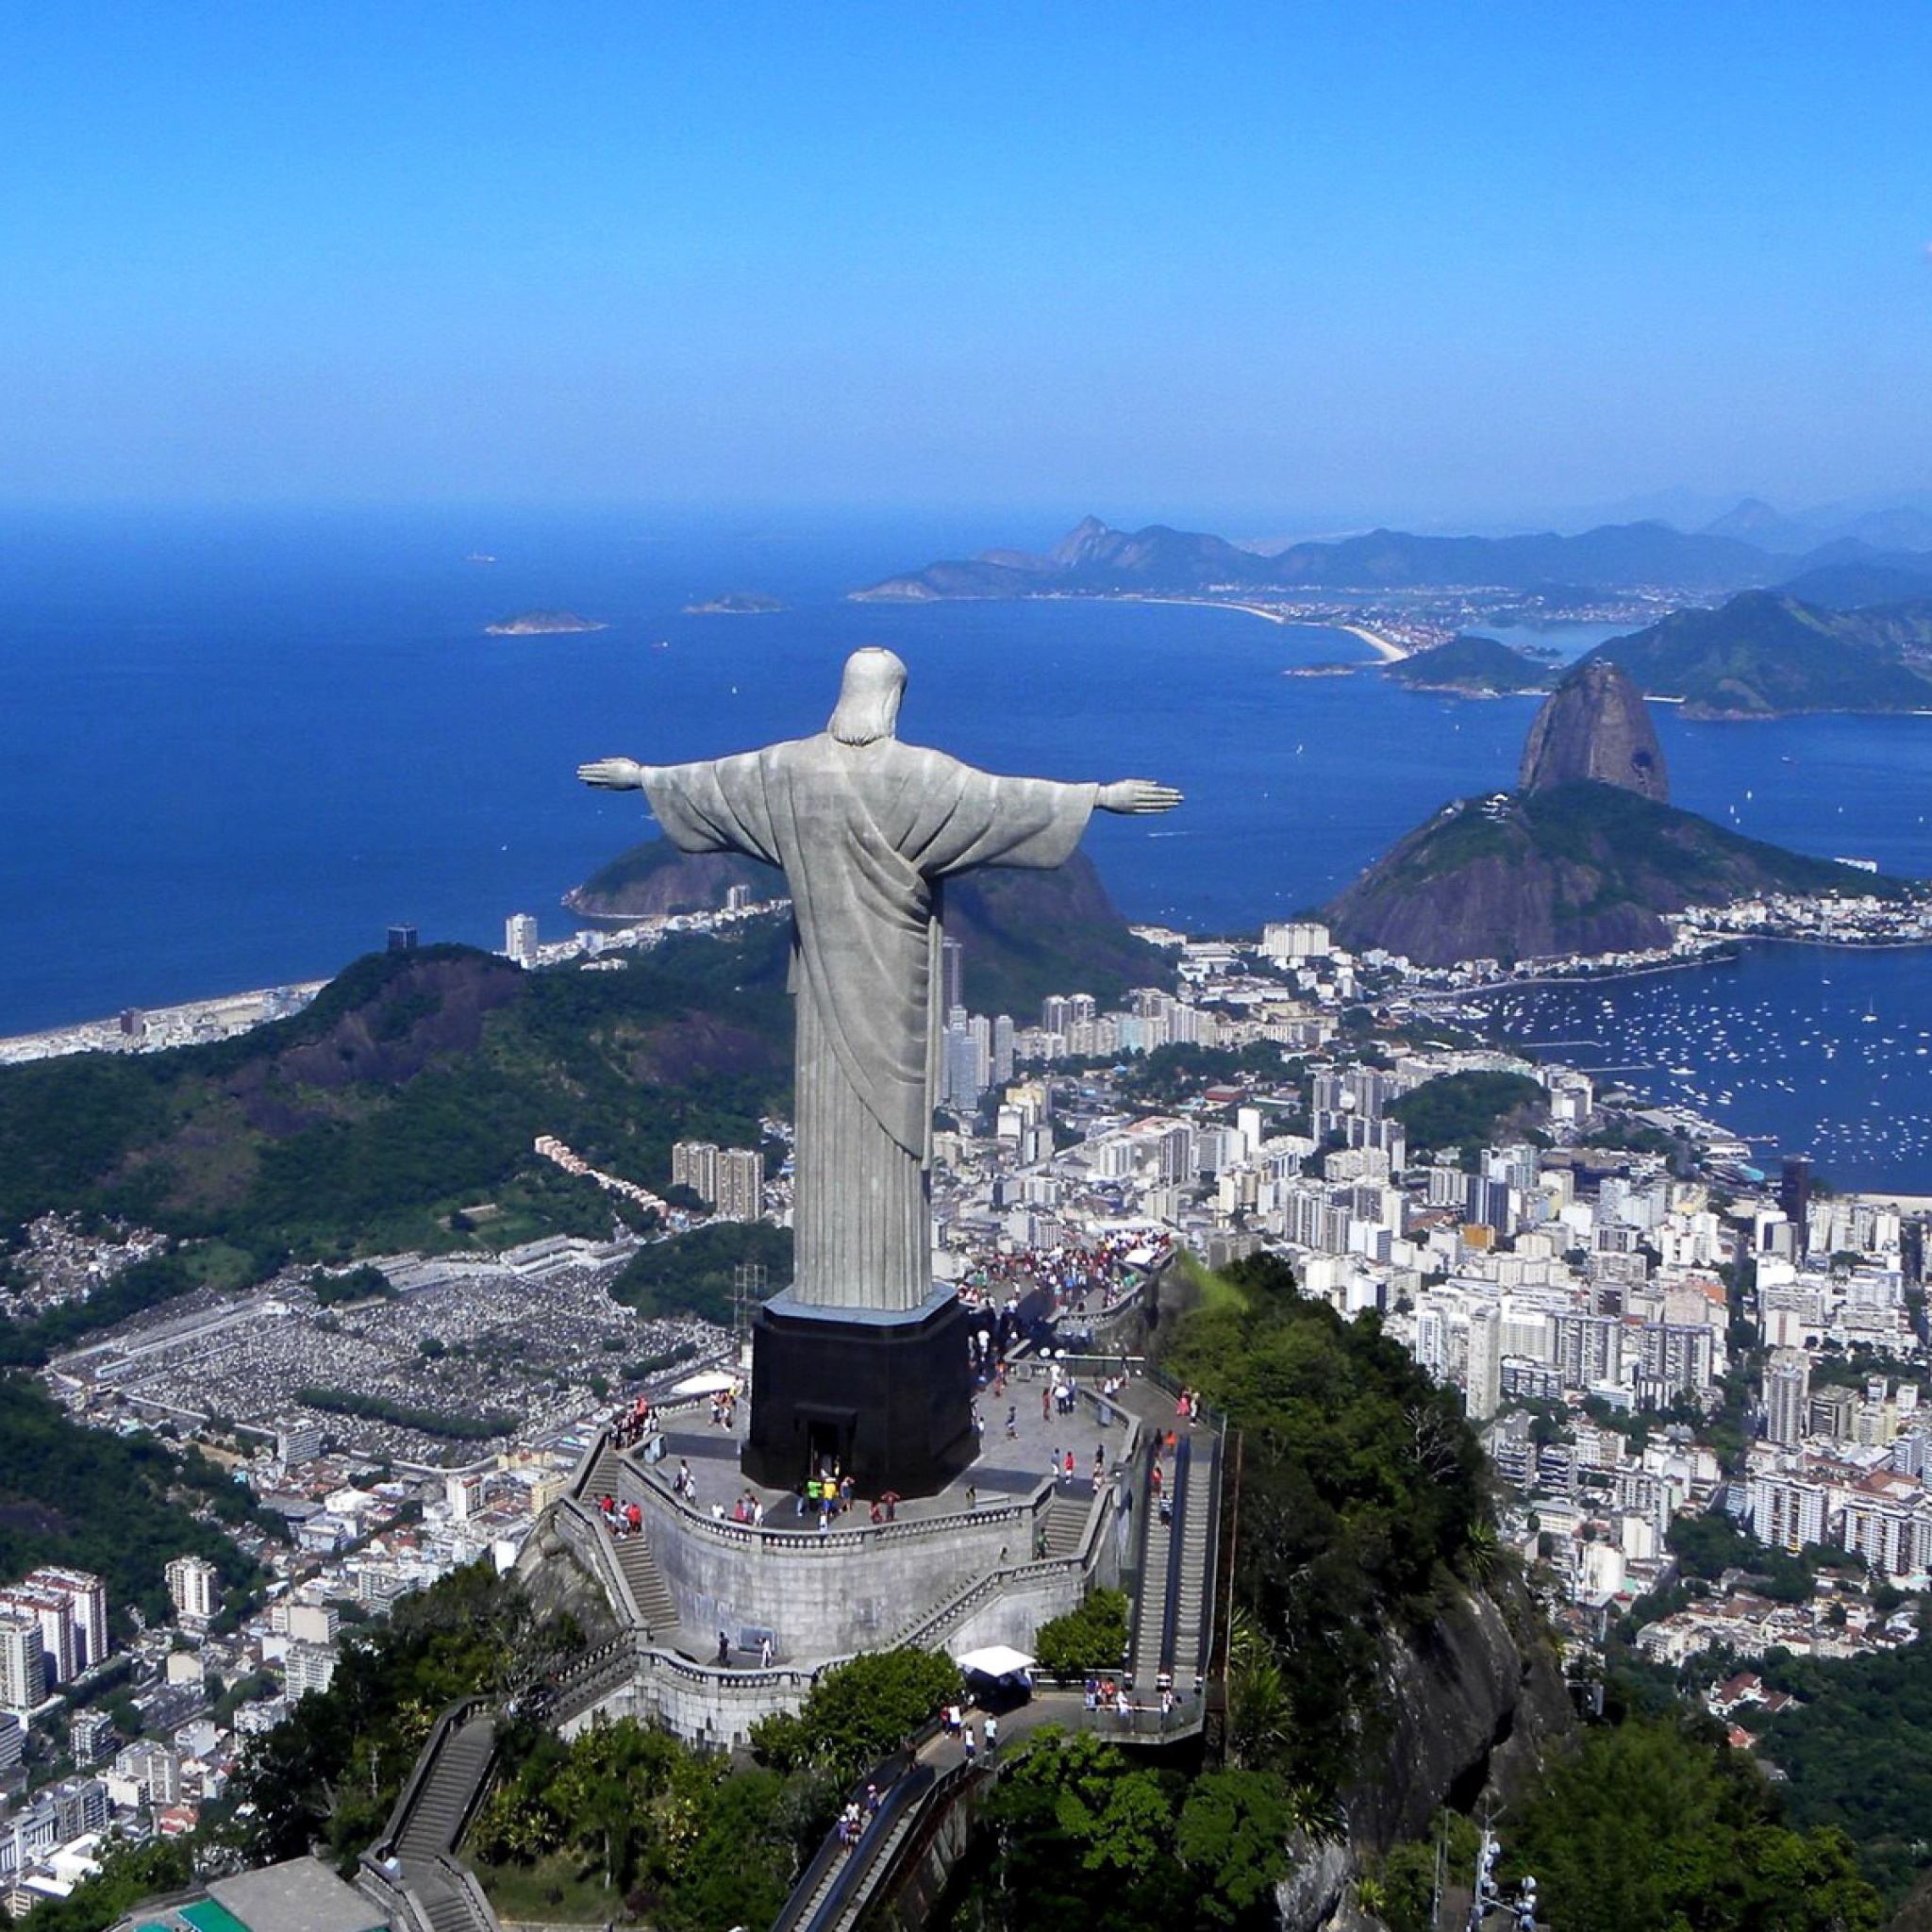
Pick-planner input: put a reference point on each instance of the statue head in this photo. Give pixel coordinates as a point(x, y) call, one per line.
point(868, 705)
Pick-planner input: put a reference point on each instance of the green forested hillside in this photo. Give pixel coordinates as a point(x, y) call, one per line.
point(414, 1086)
point(121, 1506)
point(1765, 653)
point(1472, 664)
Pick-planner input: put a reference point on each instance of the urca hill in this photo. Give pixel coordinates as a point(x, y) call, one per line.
point(1586, 855)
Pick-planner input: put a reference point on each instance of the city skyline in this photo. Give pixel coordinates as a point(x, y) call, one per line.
point(1250, 270)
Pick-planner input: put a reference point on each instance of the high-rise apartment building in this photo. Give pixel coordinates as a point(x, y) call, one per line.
point(1002, 1049)
point(740, 1184)
point(694, 1165)
point(1484, 1387)
point(51, 1610)
point(87, 1610)
point(308, 1667)
point(519, 937)
point(1787, 1397)
point(196, 1587)
point(23, 1662)
point(952, 974)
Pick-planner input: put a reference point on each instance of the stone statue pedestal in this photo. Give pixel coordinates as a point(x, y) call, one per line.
point(888, 1397)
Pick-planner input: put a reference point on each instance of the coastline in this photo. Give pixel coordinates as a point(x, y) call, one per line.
point(1260, 610)
point(1385, 648)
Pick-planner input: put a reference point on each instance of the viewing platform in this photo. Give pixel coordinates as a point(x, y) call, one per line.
point(718, 1622)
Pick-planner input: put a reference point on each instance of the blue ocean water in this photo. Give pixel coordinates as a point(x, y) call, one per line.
point(239, 748)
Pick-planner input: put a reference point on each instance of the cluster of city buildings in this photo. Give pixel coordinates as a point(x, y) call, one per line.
point(1590, 1303)
point(1859, 919)
point(1593, 1307)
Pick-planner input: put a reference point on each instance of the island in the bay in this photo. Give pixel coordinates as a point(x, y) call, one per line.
point(542, 624)
point(736, 604)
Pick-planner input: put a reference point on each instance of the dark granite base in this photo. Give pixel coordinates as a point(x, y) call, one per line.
point(890, 1400)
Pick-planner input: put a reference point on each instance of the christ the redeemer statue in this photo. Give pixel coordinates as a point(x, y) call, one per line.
point(866, 830)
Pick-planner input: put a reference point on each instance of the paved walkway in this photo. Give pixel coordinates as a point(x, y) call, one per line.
point(1013, 1462)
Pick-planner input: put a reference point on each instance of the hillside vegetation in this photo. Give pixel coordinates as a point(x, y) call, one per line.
point(1583, 868)
point(1766, 653)
point(1472, 664)
point(123, 1507)
point(409, 1093)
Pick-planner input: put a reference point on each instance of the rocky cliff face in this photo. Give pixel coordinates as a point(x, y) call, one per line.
point(1595, 724)
point(1467, 1705)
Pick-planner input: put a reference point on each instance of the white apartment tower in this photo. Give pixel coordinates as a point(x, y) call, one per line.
point(740, 1184)
point(519, 937)
point(196, 1587)
point(1484, 1389)
point(1787, 1397)
point(87, 1610)
point(23, 1663)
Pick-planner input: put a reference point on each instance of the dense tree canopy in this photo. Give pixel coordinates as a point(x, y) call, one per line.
point(120, 1506)
point(1362, 1488)
point(1645, 1827)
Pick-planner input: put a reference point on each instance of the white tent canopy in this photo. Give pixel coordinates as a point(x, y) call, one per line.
point(996, 1660)
point(706, 1382)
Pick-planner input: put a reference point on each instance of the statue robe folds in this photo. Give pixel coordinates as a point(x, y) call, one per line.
point(866, 836)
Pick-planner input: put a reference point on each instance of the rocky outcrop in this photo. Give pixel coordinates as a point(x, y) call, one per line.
point(1464, 1707)
point(1587, 868)
point(655, 879)
point(1595, 724)
point(1586, 857)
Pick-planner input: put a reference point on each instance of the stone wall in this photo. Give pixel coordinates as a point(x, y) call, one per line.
point(833, 1594)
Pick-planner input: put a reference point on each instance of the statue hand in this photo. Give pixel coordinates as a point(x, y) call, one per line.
point(1137, 795)
point(613, 774)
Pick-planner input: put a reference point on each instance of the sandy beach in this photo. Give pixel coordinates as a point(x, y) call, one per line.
point(1385, 648)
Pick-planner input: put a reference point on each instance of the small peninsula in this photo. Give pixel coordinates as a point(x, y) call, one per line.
point(1473, 665)
point(1587, 856)
point(542, 624)
point(735, 604)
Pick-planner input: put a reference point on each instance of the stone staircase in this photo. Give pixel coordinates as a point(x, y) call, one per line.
point(446, 1908)
point(1066, 1523)
point(652, 1594)
point(444, 1802)
point(605, 1478)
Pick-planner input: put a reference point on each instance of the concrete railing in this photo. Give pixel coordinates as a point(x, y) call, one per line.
point(396, 1901)
point(462, 1881)
point(1020, 1513)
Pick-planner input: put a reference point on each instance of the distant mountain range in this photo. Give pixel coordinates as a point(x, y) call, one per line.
point(1757, 522)
point(1094, 559)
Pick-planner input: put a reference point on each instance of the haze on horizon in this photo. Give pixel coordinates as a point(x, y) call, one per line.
point(1259, 269)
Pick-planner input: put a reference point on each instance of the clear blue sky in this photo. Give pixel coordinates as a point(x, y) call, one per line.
point(1253, 265)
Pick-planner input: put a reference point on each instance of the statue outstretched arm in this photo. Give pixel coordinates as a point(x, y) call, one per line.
point(615, 774)
point(1135, 796)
